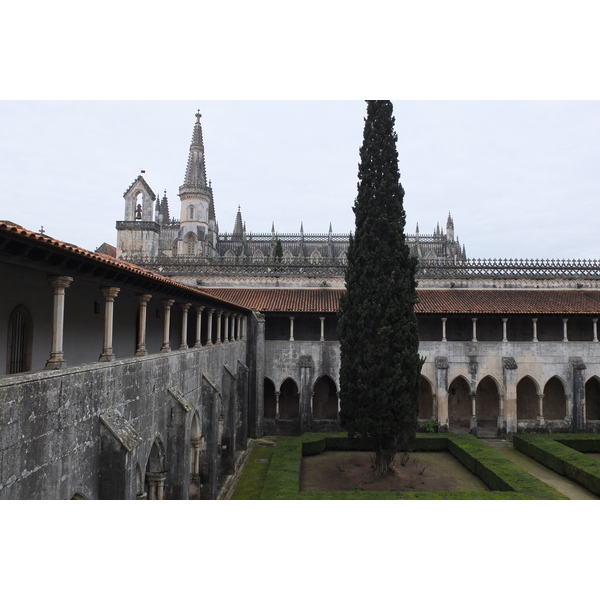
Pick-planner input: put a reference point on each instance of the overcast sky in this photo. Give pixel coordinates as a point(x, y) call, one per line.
point(521, 178)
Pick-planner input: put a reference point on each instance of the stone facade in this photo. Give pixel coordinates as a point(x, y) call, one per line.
point(119, 384)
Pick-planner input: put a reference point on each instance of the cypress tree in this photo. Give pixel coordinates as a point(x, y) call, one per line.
point(278, 251)
point(377, 328)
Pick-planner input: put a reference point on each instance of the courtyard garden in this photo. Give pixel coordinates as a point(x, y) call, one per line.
point(441, 466)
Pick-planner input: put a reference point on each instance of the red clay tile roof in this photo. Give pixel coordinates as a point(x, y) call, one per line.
point(278, 300)
point(10, 228)
point(464, 301)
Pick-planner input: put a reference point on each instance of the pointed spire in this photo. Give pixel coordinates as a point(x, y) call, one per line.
point(450, 222)
point(238, 228)
point(273, 227)
point(417, 231)
point(164, 208)
point(195, 174)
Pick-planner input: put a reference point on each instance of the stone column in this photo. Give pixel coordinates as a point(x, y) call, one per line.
point(322, 329)
point(510, 395)
point(167, 325)
point(473, 425)
point(219, 340)
point(59, 284)
point(444, 319)
point(277, 394)
point(569, 403)
point(504, 334)
point(226, 328)
point(233, 324)
point(195, 456)
point(565, 336)
point(595, 326)
point(501, 413)
point(199, 310)
point(238, 329)
point(535, 338)
point(540, 418)
point(244, 332)
point(141, 342)
point(291, 329)
point(441, 368)
point(209, 327)
point(184, 322)
point(109, 293)
point(156, 485)
point(578, 399)
point(474, 319)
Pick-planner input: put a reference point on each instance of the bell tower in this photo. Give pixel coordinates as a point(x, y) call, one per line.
point(138, 233)
point(198, 231)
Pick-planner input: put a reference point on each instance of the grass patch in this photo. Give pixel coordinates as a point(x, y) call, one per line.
point(250, 484)
point(564, 453)
point(507, 480)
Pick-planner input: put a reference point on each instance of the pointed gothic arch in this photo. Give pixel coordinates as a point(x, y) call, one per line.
point(487, 402)
point(426, 404)
point(527, 399)
point(19, 341)
point(289, 400)
point(459, 402)
point(190, 244)
point(592, 399)
point(195, 457)
point(229, 254)
point(269, 399)
point(156, 472)
point(325, 400)
point(315, 257)
point(258, 255)
point(555, 400)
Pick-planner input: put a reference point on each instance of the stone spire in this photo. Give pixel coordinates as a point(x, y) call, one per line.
point(195, 174)
point(238, 228)
point(164, 208)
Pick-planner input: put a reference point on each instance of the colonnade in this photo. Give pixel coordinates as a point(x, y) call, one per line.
point(231, 326)
point(534, 323)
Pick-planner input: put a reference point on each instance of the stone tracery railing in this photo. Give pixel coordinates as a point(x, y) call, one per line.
point(334, 267)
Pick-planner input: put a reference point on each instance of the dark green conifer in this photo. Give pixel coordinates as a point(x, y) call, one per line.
point(278, 251)
point(377, 328)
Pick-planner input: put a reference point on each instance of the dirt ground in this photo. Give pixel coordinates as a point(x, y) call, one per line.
point(424, 472)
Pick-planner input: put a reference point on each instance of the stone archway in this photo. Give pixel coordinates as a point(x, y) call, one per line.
point(527, 399)
point(289, 400)
point(487, 404)
point(325, 401)
point(195, 458)
point(555, 401)
point(592, 399)
point(426, 410)
point(156, 472)
point(459, 404)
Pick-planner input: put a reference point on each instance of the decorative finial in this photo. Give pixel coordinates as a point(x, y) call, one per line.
point(198, 116)
point(42, 230)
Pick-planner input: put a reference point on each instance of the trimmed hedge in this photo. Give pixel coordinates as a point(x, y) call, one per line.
point(563, 453)
point(507, 480)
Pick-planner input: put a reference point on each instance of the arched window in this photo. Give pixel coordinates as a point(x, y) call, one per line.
point(19, 343)
point(190, 244)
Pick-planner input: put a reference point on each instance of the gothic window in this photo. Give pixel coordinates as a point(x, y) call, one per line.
point(20, 336)
point(190, 243)
point(258, 255)
point(191, 212)
point(287, 255)
point(315, 257)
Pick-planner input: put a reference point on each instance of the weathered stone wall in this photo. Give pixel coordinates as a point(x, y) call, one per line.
point(90, 429)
